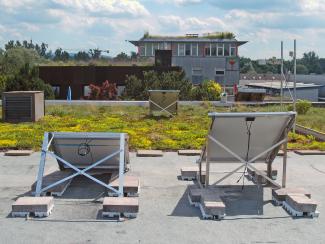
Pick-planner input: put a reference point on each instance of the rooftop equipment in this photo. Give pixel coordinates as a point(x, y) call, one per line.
point(247, 138)
point(163, 101)
point(22, 106)
point(83, 152)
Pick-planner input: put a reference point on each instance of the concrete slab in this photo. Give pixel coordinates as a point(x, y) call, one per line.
point(149, 153)
point(309, 152)
point(194, 194)
point(301, 203)
point(165, 215)
point(131, 184)
point(189, 152)
point(281, 194)
point(212, 203)
point(51, 178)
point(18, 153)
point(40, 206)
point(121, 204)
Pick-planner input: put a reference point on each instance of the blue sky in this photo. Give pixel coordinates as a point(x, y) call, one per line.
point(83, 24)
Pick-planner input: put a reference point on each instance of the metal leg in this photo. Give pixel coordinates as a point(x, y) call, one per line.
point(164, 109)
point(285, 155)
point(121, 168)
point(207, 166)
point(42, 165)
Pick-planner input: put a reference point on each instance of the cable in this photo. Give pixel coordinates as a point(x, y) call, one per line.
point(249, 133)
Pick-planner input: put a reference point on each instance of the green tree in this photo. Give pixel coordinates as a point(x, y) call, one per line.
point(82, 56)
point(60, 55)
point(122, 57)
point(136, 88)
point(95, 53)
point(311, 61)
point(27, 79)
point(302, 69)
point(15, 58)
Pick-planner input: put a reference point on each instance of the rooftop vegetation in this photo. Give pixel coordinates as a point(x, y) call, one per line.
point(186, 130)
point(215, 35)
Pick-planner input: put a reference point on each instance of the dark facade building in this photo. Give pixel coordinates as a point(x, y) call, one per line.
point(212, 56)
point(80, 77)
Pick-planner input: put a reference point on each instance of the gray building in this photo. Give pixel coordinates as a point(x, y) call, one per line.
point(209, 56)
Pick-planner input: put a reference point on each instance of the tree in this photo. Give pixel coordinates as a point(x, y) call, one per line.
point(15, 58)
point(122, 57)
point(27, 79)
point(82, 56)
point(60, 55)
point(95, 53)
point(302, 69)
point(311, 61)
point(137, 88)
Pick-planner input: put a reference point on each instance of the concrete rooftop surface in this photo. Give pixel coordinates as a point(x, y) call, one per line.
point(165, 215)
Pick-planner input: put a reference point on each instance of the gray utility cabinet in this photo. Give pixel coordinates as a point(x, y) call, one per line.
point(22, 106)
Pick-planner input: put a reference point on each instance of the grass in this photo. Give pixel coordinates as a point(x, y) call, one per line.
point(186, 130)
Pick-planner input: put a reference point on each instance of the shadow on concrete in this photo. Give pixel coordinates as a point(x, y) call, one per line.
point(184, 209)
point(238, 201)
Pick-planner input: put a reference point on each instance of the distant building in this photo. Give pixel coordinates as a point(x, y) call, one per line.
point(209, 56)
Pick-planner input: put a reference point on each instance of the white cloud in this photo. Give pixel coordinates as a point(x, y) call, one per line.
point(132, 7)
point(209, 24)
point(180, 2)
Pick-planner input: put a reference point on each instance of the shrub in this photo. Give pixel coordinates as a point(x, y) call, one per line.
point(27, 79)
point(302, 106)
point(136, 88)
point(209, 90)
point(107, 91)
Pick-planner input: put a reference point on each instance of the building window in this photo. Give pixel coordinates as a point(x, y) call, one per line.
point(86, 91)
point(220, 50)
point(188, 49)
point(207, 50)
point(142, 50)
point(56, 90)
point(226, 49)
point(233, 50)
point(196, 71)
point(161, 46)
point(213, 50)
point(155, 46)
point(149, 49)
point(181, 49)
point(220, 72)
point(195, 49)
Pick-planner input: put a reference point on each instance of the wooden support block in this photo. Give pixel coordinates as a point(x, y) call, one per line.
point(281, 153)
point(131, 185)
point(189, 152)
point(149, 153)
point(309, 152)
point(189, 173)
point(18, 153)
point(120, 205)
point(50, 178)
point(301, 203)
point(39, 206)
point(281, 194)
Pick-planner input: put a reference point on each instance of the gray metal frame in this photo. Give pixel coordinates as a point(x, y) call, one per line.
point(168, 106)
point(282, 141)
point(45, 151)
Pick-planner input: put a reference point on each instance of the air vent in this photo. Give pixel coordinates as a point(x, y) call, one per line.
point(22, 106)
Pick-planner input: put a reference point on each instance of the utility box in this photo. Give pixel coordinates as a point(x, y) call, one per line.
point(22, 106)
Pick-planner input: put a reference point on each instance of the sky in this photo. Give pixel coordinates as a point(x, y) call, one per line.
point(76, 25)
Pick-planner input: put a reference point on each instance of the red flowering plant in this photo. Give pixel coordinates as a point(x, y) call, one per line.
point(107, 91)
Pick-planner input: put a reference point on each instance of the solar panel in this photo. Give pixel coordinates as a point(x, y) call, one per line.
point(232, 129)
point(84, 149)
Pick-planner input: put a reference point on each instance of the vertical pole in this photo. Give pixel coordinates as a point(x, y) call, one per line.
point(284, 170)
point(121, 167)
point(282, 74)
point(294, 81)
point(41, 165)
point(207, 166)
